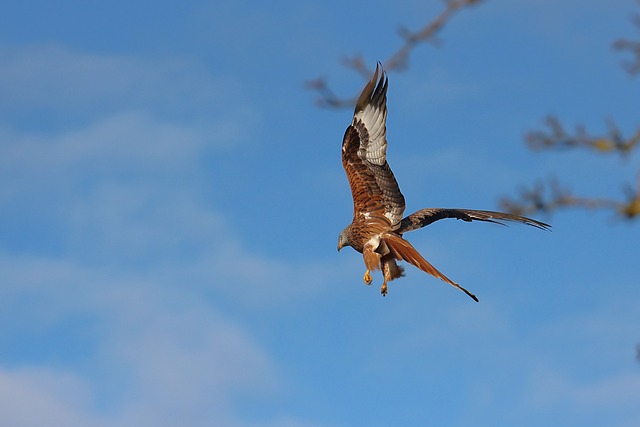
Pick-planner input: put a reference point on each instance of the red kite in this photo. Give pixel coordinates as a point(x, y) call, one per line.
point(378, 205)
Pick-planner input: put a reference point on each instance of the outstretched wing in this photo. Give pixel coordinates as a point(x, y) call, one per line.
point(424, 217)
point(364, 155)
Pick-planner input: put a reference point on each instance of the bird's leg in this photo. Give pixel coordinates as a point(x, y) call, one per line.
point(390, 271)
point(383, 288)
point(367, 277)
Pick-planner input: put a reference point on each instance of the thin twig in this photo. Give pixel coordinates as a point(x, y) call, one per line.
point(545, 199)
point(633, 46)
point(556, 137)
point(396, 62)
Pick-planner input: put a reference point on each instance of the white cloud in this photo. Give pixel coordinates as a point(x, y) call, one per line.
point(123, 199)
point(123, 147)
point(37, 397)
point(172, 356)
point(128, 192)
point(609, 394)
point(184, 361)
point(54, 78)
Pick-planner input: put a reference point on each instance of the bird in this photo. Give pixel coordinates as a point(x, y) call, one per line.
point(378, 226)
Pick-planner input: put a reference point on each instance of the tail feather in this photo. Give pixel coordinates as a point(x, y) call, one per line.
point(403, 250)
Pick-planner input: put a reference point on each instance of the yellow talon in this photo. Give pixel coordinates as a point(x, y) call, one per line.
point(383, 289)
point(367, 277)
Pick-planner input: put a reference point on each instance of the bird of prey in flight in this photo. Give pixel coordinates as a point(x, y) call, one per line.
point(378, 225)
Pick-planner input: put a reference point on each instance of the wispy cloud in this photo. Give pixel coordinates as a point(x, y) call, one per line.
point(170, 354)
point(123, 200)
point(39, 396)
point(56, 79)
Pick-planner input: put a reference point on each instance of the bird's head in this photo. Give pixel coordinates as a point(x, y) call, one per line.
point(343, 238)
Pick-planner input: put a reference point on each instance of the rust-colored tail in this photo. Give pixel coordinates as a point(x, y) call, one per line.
point(403, 250)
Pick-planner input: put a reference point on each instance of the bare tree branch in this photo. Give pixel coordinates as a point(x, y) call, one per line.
point(558, 138)
point(398, 61)
point(551, 197)
point(540, 198)
point(632, 66)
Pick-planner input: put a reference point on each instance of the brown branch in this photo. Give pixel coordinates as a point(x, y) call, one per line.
point(633, 66)
point(558, 138)
point(632, 46)
point(327, 97)
point(398, 61)
point(551, 197)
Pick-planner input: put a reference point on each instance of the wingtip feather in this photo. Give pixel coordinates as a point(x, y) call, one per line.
point(375, 90)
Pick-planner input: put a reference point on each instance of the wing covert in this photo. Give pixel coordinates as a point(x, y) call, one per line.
point(364, 155)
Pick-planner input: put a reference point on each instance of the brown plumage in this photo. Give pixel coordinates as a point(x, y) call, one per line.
point(378, 204)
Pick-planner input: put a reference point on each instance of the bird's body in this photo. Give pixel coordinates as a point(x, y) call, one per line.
point(378, 224)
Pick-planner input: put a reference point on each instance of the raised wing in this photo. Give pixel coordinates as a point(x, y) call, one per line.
point(374, 189)
point(424, 217)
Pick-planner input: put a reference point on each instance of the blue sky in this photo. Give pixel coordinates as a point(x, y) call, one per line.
point(171, 197)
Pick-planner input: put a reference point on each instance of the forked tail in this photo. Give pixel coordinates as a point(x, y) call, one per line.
point(403, 250)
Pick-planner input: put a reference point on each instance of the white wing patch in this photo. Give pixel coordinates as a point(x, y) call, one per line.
point(394, 214)
point(373, 242)
point(374, 120)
